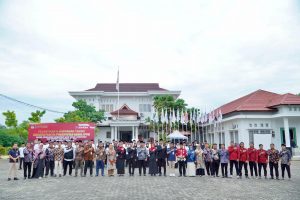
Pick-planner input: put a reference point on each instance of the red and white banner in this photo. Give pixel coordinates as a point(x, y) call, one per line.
point(61, 131)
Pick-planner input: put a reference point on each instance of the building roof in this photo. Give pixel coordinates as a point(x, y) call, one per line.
point(127, 87)
point(124, 110)
point(260, 100)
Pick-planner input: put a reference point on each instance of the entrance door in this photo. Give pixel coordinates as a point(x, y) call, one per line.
point(292, 134)
point(126, 136)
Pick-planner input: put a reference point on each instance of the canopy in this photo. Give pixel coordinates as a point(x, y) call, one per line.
point(177, 135)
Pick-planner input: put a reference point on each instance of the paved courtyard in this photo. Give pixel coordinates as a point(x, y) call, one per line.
point(148, 187)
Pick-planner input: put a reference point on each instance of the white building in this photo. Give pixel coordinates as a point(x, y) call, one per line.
point(261, 117)
point(135, 106)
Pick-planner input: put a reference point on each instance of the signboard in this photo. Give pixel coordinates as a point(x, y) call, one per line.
point(61, 131)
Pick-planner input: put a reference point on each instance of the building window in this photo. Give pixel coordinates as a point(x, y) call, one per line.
point(145, 107)
point(261, 125)
point(234, 137)
point(290, 108)
point(267, 125)
point(250, 125)
point(107, 107)
point(255, 125)
point(108, 134)
point(295, 108)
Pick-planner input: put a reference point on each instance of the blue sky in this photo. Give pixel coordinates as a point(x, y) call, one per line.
point(212, 51)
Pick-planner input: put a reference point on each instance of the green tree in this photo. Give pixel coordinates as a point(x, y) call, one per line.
point(10, 119)
point(36, 116)
point(82, 113)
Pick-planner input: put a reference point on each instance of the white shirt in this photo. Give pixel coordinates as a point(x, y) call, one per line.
point(21, 150)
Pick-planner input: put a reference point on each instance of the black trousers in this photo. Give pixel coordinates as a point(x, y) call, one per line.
point(161, 163)
point(142, 164)
point(288, 169)
point(275, 167)
point(262, 165)
point(131, 166)
point(182, 169)
point(224, 167)
point(235, 163)
point(241, 165)
point(253, 166)
point(49, 166)
point(208, 168)
point(21, 163)
point(27, 168)
point(215, 167)
point(66, 164)
point(88, 164)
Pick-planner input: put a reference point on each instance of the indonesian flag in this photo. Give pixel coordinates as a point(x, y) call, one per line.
point(186, 117)
point(182, 117)
point(173, 116)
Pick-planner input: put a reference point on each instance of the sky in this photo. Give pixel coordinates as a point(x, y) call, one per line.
point(213, 51)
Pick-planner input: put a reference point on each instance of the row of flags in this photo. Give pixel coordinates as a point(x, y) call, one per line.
point(183, 117)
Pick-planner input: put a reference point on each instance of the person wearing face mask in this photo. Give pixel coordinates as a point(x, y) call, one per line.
point(49, 160)
point(132, 158)
point(142, 154)
point(14, 156)
point(285, 156)
point(191, 158)
point(161, 157)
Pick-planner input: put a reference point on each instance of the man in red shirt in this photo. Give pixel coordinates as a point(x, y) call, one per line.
point(262, 160)
point(243, 160)
point(233, 158)
point(252, 155)
point(181, 155)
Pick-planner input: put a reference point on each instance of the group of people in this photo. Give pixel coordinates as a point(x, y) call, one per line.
point(56, 158)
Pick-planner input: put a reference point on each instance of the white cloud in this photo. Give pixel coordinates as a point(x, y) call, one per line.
point(212, 51)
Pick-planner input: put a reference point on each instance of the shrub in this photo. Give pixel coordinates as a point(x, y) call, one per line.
point(7, 139)
point(4, 150)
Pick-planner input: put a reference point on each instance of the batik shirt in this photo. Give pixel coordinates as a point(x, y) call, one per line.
point(28, 155)
point(285, 156)
point(58, 154)
point(207, 155)
point(273, 155)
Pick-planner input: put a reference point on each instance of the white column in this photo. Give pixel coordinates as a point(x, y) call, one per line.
point(112, 133)
point(136, 133)
point(287, 132)
point(116, 133)
point(133, 133)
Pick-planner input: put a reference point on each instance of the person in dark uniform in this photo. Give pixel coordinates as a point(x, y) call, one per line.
point(161, 157)
point(153, 160)
point(121, 157)
point(132, 158)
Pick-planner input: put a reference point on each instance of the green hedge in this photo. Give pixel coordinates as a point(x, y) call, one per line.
point(4, 150)
point(7, 139)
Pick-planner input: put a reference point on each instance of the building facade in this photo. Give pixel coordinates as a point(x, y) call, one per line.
point(261, 117)
point(126, 111)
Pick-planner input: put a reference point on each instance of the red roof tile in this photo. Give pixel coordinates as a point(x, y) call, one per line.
point(124, 110)
point(260, 100)
point(127, 87)
point(286, 99)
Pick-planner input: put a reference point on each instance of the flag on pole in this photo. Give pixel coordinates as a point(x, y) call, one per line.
point(173, 116)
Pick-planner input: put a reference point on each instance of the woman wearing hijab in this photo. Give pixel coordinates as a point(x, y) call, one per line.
point(191, 169)
point(111, 160)
point(39, 162)
point(153, 160)
point(199, 161)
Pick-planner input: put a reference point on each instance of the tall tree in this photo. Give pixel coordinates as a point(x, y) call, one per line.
point(10, 119)
point(36, 116)
point(82, 113)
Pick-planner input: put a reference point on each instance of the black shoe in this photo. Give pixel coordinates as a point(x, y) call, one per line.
point(9, 179)
point(144, 174)
point(180, 175)
point(140, 174)
point(25, 178)
point(16, 179)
